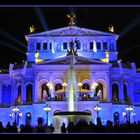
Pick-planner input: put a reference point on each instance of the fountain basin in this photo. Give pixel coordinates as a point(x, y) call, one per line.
point(69, 116)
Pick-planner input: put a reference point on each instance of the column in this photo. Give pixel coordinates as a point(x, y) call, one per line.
point(41, 46)
point(13, 90)
point(23, 91)
point(101, 45)
point(94, 46)
point(121, 91)
point(0, 91)
point(130, 90)
point(51, 90)
point(52, 46)
point(108, 96)
point(36, 88)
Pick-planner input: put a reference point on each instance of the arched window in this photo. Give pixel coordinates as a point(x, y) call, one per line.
point(99, 91)
point(58, 86)
point(115, 94)
point(29, 94)
point(44, 91)
point(19, 93)
point(86, 86)
point(125, 93)
point(28, 118)
point(116, 118)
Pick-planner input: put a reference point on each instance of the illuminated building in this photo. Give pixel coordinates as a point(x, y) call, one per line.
point(104, 79)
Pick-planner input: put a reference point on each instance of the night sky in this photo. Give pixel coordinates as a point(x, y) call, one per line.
point(15, 22)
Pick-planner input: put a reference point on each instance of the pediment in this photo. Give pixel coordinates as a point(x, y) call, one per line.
point(71, 31)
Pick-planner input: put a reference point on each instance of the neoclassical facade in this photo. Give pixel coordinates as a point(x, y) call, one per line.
point(44, 78)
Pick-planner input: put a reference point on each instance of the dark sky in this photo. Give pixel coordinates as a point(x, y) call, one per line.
point(15, 22)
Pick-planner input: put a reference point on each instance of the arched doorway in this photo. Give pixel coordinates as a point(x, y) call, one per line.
point(29, 94)
point(115, 94)
point(28, 118)
point(19, 94)
point(125, 93)
point(85, 91)
point(44, 91)
point(116, 118)
point(99, 91)
point(59, 94)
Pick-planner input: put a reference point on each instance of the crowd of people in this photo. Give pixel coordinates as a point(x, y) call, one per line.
point(81, 127)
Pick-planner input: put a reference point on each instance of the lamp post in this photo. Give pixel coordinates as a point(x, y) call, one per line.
point(47, 108)
point(97, 108)
point(64, 85)
point(134, 114)
point(124, 116)
point(129, 109)
point(15, 109)
point(80, 85)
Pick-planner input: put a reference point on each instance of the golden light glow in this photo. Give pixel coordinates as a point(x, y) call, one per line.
point(64, 84)
point(79, 84)
point(111, 29)
point(32, 29)
point(94, 85)
point(50, 85)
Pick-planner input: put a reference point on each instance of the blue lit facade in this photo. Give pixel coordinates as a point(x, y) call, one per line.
point(39, 80)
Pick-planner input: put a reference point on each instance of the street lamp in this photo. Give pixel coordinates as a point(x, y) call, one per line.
point(80, 85)
point(15, 109)
point(129, 109)
point(64, 85)
point(97, 108)
point(124, 116)
point(47, 109)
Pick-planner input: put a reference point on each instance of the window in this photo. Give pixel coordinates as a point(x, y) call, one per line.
point(58, 87)
point(125, 93)
point(44, 46)
point(105, 46)
point(29, 94)
point(50, 46)
point(38, 46)
point(19, 93)
point(64, 45)
point(44, 91)
point(78, 45)
point(91, 45)
point(115, 94)
point(86, 86)
point(98, 45)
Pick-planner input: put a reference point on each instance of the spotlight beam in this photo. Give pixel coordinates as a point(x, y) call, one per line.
point(130, 26)
point(41, 18)
point(12, 38)
point(11, 47)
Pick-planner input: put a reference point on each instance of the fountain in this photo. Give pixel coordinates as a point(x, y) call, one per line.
point(71, 115)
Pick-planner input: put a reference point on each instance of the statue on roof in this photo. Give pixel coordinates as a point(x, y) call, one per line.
point(71, 17)
point(32, 29)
